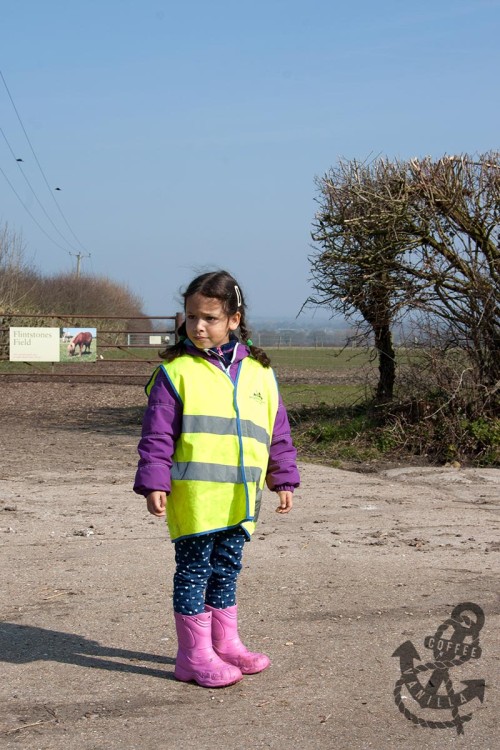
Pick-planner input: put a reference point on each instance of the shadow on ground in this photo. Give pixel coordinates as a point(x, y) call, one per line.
point(22, 644)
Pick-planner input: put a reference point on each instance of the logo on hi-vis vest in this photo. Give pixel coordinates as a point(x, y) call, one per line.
point(257, 396)
point(455, 642)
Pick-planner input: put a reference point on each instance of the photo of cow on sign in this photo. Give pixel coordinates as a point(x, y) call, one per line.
point(78, 344)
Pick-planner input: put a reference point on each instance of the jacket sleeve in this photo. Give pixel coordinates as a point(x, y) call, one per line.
point(282, 471)
point(160, 429)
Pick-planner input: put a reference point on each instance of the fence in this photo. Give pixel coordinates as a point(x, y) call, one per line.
point(122, 345)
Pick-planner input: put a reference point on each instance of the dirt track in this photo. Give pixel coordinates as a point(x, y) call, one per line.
point(364, 563)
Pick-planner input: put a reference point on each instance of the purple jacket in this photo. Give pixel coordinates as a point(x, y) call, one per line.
point(161, 427)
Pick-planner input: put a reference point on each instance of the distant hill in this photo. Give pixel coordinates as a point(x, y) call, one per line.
point(305, 322)
point(302, 331)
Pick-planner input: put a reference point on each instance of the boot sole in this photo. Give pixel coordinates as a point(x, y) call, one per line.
point(183, 675)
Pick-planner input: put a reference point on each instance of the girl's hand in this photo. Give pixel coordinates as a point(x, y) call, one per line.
point(286, 501)
point(157, 501)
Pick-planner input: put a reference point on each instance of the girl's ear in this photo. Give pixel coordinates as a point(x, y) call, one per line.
point(234, 321)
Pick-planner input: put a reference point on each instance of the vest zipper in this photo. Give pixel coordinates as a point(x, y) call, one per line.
point(220, 357)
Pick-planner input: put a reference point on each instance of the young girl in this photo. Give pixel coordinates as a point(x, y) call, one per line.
point(214, 433)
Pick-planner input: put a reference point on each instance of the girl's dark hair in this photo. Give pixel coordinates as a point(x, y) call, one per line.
point(222, 286)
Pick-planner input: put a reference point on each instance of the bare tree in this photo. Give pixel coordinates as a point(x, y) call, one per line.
point(456, 265)
point(92, 295)
point(17, 276)
point(355, 268)
point(23, 290)
point(88, 296)
point(420, 235)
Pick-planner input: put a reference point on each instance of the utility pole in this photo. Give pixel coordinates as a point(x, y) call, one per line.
point(79, 257)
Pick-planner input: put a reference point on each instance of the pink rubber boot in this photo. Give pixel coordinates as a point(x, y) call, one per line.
point(227, 644)
point(196, 659)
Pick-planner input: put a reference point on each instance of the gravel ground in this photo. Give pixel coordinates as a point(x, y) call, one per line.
point(364, 564)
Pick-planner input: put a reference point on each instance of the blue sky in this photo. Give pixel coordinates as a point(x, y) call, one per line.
point(187, 136)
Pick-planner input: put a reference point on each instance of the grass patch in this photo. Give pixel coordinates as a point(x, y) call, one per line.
point(25, 368)
point(322, 359)
point(133, 355)
point(321, 395)
point(341, 436)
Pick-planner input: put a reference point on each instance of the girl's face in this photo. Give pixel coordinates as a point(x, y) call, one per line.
point(207, 325)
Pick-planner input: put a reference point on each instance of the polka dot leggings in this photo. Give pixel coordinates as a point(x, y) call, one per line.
point(207, 567)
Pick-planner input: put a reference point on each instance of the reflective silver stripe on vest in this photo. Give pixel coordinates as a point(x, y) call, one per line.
point(223, 426)
point(201, 472)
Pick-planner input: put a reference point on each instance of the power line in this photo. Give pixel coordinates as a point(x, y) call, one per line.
point(38, 163)
point(34, 193)
point(29, 212)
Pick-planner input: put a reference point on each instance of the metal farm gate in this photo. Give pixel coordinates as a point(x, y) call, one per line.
point(125, 347)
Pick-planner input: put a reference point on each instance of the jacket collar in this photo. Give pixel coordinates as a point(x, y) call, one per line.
point(240, 352)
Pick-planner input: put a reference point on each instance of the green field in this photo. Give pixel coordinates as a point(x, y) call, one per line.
point(307, 376)
point(337, 377)
point(319, 394)
point(328, 393)
point(129, 356)
point(323, 358)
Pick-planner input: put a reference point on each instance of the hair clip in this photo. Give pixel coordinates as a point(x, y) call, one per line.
point(249, 342)
point(238, 294)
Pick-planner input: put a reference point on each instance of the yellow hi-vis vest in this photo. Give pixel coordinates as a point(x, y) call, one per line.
point(220, 459)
